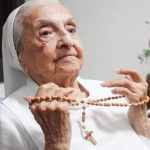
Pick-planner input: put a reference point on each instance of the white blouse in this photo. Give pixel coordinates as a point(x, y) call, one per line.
point(110, 125)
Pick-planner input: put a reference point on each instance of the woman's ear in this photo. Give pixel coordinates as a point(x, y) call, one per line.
point(22, 64)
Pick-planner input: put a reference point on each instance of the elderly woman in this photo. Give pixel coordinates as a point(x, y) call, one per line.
point(42, 60)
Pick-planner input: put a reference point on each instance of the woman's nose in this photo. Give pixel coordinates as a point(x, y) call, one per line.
point(65, 41)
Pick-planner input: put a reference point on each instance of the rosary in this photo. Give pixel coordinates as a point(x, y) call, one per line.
point(84, 104)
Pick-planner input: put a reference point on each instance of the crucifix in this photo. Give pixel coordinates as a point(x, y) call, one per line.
point(90, 137)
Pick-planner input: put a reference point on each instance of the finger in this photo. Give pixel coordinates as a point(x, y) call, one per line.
point(56, 112)
point(44, 113)
point(48, 89)
point(121, 91)
point(64, 91)
point(51, 106)
point(41, 106)
point(122, 82)
point(131, 72)
point(126, 92)
point(27, 98)
point(62, 106)
point(73, 94)
point(38, 117)
point(136, 88)
point(41, 111)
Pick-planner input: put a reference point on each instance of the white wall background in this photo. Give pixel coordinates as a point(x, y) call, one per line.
point(113, 33)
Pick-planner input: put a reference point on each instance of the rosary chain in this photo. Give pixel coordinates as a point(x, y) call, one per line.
point(96, 102)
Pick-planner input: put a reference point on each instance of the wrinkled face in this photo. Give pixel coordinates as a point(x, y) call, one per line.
point(52, 49)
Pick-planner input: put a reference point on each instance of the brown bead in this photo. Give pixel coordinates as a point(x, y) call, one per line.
point(83, 126)
point(113, 104)
point(105, 104)
point(63, 98)
point(82, 101)
point(83, 113)
point(73, 100)
point(121, 105)
point(58, 98)
point(42, 98)
point(125, 104)
point(73, 104)
point(108, 104)
point(83, 107)
point(83, 119)
point(97, 104)
point(47, 98)
point(88, 103)
point(77, 103)
point(37, 98)
point(101, 104)
point(68, 100)
point(101, 99)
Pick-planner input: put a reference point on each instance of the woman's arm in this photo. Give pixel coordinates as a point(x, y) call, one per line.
point(135, 89)
point(139, 120)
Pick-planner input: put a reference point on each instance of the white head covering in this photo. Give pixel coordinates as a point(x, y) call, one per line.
point(13, 75)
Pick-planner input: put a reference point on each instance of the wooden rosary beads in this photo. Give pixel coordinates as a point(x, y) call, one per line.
point(97, 102)
point(84, 104)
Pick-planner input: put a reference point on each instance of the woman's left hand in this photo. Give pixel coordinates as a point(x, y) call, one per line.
point(135, 89)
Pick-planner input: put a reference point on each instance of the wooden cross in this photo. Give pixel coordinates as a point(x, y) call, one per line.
point(90, 137)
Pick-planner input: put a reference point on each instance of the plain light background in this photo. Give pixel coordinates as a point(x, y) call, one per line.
point(113, 33)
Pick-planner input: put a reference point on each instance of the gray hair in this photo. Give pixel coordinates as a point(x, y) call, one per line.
point(18, 26)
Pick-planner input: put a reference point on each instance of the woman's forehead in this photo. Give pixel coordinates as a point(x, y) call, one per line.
point(46, 21)
point(47, 10)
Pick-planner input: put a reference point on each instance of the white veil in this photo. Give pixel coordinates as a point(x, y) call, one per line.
point(13, 75)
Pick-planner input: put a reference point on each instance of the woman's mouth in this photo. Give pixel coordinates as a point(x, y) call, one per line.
point(66, 57)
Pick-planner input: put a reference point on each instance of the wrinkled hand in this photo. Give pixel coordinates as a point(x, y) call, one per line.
point(51, 89)
point(134, 88)
point(53, 117)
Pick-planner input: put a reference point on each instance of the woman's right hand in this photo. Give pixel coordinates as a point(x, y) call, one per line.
point(53, 117)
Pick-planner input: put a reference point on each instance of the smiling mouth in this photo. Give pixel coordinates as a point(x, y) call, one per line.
point(65, 57)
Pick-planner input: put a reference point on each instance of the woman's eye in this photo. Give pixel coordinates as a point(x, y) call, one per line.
point(45, 33)
point(71, 30)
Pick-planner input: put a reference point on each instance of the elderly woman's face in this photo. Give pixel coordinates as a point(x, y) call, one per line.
point(60, 55)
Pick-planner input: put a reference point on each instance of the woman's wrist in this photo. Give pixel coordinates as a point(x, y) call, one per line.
point(140, 122)
point(58, 146)
point(142, 128)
